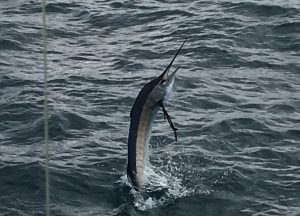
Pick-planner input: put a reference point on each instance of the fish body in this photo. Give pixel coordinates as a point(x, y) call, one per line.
point(142, 115)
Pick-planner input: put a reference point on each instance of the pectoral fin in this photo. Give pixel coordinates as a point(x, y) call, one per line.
point(167, 116)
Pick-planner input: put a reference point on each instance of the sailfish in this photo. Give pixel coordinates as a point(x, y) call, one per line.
point(142, 115)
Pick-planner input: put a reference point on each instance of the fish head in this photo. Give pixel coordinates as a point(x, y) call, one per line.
point(163, 88)
point(163, 84)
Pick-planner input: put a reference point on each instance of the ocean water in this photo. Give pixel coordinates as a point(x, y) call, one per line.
point(236, 103)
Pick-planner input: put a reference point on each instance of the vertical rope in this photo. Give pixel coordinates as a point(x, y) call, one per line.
point(46, 149)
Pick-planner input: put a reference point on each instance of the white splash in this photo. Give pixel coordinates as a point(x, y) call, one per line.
point(161, 189)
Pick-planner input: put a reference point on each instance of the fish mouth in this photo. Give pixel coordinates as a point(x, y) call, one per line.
point(172, 75)
point(165, 74)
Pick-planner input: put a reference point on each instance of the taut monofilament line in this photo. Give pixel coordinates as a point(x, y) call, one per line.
point(46, 149)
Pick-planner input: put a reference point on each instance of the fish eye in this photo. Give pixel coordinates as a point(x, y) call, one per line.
point(163, 81)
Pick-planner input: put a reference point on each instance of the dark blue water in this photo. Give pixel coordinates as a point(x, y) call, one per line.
point(236, 103)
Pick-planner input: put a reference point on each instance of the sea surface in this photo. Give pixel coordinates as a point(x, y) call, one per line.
point(236, 104)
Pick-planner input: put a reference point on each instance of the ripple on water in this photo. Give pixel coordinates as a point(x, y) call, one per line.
point(236, 106)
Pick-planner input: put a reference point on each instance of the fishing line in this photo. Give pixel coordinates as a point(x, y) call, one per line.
point(46, 148)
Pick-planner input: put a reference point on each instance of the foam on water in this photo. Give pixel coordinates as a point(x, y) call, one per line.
point(161, 187)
